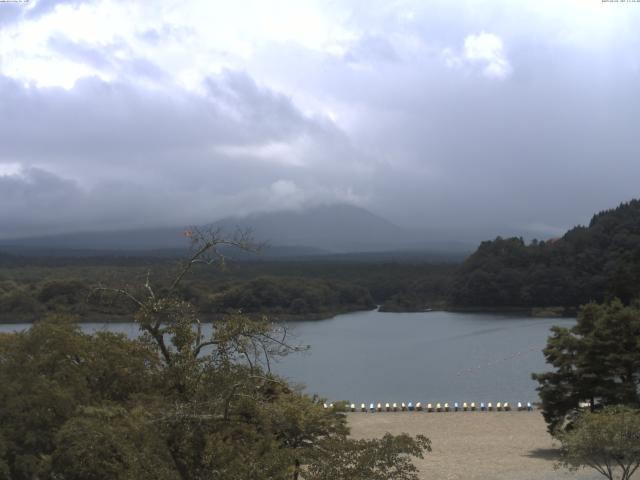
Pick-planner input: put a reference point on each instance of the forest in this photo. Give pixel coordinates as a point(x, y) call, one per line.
point(597, 262)
point(32, 287)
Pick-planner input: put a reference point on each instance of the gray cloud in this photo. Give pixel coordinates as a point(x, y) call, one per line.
point(165, 158)
point(11, 12)
point(404, 120)
point(104, 58)
point(97, 57)
point(371, 48)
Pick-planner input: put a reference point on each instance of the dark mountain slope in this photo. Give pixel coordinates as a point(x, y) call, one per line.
point(338, 228)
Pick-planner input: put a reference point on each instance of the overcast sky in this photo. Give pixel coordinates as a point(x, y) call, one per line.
point(486, 115)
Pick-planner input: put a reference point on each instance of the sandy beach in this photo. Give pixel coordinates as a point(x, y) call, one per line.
point(475, 445)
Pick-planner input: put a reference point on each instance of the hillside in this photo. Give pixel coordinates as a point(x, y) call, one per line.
point(319, 230)
point(588, 263)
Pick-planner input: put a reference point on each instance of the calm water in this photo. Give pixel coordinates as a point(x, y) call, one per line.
point(396, 357)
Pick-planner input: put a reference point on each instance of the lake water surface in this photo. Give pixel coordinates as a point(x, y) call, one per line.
point(401, 357)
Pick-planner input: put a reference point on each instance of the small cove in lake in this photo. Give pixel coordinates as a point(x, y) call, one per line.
point(400, 357)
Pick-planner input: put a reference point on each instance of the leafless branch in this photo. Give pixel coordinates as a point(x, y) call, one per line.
point(120, 291)
point(205, 244)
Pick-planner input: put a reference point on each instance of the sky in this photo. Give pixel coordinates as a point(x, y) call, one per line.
point(484, 117)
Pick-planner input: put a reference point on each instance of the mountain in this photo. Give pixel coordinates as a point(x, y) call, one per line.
point(336, 228)
point(319, 230)
point(589, 263)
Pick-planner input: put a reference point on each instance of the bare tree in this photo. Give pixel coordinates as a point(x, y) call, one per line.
point(174, 325)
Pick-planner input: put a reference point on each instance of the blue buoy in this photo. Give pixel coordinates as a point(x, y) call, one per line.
point(482, 406)
point(410, 406)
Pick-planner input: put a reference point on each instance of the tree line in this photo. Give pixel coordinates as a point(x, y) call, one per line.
point(287, 289)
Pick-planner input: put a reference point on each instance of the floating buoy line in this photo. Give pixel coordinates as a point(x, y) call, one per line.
point(433, 407)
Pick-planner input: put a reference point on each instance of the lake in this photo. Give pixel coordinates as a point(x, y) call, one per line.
point(401, 357)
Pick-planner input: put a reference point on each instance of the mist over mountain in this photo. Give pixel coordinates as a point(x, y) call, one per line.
point(326, 229)
point(336, 228)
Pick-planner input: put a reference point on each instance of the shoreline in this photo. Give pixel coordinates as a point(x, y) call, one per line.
point(128, 318)
point(318, 316)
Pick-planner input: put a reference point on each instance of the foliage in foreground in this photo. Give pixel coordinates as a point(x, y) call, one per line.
point(597, 360)
point(173, 404)
point(377, 459)
point(607, 441)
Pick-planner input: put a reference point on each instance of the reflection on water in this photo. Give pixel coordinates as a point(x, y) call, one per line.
point(428, 356)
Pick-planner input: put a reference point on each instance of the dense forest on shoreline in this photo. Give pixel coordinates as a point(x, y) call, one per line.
point(593, 263)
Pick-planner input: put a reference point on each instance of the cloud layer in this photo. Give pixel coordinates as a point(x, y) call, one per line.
point(476, 118)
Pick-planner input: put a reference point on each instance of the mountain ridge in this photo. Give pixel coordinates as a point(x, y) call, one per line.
point(323, 229)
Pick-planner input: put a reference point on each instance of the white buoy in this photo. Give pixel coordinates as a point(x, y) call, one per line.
point(387, 407)
point(473, 406)
point(419, 406)
point(499, 406)
point(520, 407)
point(490, 406)
point(446, 407)
point(363, 407)
point(353, 407)
point(506, 406)
point(325, 405)
point(379, 407)
point(395, 407)
point(438, 407)
point(465, 407)
point(403, 407)
point(429, 407)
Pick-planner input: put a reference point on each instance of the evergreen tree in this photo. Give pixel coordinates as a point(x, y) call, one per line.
point(596, 361)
